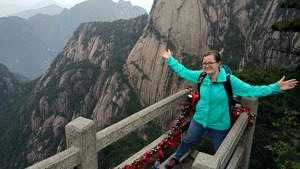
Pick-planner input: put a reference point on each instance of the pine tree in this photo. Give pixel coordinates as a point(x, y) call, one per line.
point(291, 24)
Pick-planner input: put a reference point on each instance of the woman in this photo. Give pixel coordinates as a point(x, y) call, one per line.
point(212, 110)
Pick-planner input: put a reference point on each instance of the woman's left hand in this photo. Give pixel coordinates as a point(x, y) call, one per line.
point(287, 84)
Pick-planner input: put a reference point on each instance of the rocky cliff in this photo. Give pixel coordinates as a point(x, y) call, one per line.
point(108, 70)
point(240, 29)
point(85, 79)
point(8, 89)
point(8, 83)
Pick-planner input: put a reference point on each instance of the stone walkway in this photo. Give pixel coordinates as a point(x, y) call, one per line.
point(185, 163)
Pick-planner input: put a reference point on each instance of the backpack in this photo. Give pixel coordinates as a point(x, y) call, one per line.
point(228, 88)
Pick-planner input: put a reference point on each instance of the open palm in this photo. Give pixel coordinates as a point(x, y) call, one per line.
point(287, 84)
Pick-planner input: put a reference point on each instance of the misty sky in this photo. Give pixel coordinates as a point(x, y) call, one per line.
point(143, 3)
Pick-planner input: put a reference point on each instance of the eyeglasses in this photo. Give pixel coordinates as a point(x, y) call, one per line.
point(208, 63)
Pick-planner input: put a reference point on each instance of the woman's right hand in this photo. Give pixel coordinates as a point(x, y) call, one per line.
point(165, 54)
point(287, 84)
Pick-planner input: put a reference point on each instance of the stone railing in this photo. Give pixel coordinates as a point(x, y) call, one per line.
point(83, 142)
point(235, 150)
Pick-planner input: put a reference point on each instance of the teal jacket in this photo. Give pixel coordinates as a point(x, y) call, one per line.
point(212, 110)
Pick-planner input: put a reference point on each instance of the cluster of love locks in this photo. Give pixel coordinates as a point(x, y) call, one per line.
point(173, 137)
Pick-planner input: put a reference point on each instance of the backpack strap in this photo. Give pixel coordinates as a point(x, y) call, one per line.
point(200, 79)
point(231, 101)
point(228, 87)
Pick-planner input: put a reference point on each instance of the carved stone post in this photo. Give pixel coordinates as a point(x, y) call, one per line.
point(81, 133)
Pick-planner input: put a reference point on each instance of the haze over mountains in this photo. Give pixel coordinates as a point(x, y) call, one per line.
point(29, 45)
point(10, 8)
point(52, 9)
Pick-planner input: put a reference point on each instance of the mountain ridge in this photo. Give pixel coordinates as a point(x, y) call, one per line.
point(86, 80)
point(50, 33)
point(52, 9)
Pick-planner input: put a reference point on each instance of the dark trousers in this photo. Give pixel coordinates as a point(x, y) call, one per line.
point(194, 132)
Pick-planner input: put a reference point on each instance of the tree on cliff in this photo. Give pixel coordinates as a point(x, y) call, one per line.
point(290, 24)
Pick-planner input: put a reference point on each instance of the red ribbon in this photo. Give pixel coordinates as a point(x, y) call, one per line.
point(174, 134)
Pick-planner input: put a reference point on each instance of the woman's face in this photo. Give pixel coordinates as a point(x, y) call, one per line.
point(210, 65)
